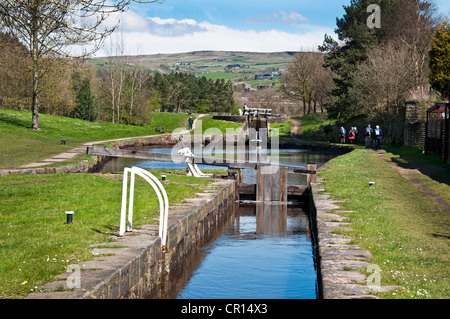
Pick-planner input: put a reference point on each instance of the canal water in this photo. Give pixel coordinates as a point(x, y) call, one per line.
point(261, 251)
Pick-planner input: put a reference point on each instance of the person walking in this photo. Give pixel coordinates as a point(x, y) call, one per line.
point(191, 121)
point(342, 133)
point(378, 134)
point(368, 133)
point(352, 135)
point(245, 109)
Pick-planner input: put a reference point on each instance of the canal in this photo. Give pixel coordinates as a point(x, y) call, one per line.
point(261, 251)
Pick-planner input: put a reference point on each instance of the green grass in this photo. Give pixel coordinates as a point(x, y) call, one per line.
point(220, 75)
point(314, 127)
point(283, 130)
point(212, 126)
point(406, 232)
point(36, 244)
point(413, 157)
point(21, 145)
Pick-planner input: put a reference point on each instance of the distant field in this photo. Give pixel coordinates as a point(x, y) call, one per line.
point(211, 64)
point(220, 75)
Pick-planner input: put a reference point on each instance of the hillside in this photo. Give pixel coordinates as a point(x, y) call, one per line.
point(234, 65)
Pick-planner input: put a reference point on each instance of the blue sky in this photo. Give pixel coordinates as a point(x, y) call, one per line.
point(249, 14)
point(232, 25)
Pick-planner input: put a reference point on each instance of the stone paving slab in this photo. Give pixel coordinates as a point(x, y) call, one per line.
point(340, 262)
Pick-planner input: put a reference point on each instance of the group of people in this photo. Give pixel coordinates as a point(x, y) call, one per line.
point(369, 134)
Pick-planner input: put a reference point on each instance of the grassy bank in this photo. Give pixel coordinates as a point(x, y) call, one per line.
point(316, 127)
point(21, 145)
point(406, 232)
point(282, 129)
point(35, 242)
point(208, 125)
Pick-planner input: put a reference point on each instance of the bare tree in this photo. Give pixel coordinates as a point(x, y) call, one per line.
point(411, 24)
point(323, 84)
point(382, 83)
point(264, 98)
point(307, 80)
point(137, 79)
point(14, 77)
point(52, 27)
point(115, 78)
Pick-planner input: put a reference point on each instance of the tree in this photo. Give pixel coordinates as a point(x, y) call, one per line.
point(307, 80)
point(357, 39)
point(403, 23)
point(137, 95)
point(114, 81)
point(56, 94)
point(14, 75)
point(411, 24)
point(440, 60)
point(381, 85)
point(49, 28)
point(84, 99)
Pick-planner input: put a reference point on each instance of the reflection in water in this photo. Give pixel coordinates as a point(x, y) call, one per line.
point(262, 251)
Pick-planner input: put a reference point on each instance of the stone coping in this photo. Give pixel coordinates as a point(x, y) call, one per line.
point(133, 265)
point(339, 261)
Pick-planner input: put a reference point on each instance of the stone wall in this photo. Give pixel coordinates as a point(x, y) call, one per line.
point(139, 265)
point(415, 118)
point(339, 262)
point(77, 168)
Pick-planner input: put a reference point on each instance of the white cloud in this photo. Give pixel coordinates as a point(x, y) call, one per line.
point(156, 35)
point(280, 16)
point(292, 17)
point(172, 27)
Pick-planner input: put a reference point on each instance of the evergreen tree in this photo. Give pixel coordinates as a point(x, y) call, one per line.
point(358, 39)
point(440, 60)
point(85, 103)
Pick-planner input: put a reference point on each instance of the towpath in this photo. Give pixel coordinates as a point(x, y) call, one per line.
point(410, 174)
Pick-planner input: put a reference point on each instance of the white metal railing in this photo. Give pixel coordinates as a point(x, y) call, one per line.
point(126, 225)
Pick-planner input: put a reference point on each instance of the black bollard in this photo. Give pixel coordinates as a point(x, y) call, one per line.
point(69, 215)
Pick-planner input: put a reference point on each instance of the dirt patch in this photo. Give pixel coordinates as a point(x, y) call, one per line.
point(295, 126)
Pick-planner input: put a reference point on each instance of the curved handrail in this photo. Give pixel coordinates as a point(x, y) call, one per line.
point(160, 193)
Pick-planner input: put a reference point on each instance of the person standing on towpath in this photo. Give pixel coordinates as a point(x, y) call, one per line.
point(378, 134)
point(342, 133)
point(368, 133)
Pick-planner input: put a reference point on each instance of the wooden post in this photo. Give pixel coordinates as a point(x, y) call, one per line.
point(271, 183)
point(311, 177)
point(235, 173)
